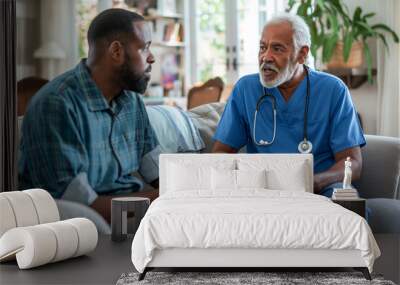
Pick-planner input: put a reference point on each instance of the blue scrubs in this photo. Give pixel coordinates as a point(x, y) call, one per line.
point(333, 124)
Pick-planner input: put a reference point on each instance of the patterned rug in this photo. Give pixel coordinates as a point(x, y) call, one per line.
point(243, 278)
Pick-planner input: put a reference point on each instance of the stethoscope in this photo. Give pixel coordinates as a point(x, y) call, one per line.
point(305, 146)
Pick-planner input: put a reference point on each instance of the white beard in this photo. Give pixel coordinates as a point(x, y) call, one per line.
point(283, 76)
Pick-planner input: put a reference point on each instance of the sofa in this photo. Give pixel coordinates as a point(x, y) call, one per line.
point(380, 183)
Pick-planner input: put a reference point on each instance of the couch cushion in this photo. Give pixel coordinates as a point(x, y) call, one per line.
point(380, 175)
point(384, 216)
point(174, 129)
point(206, 118)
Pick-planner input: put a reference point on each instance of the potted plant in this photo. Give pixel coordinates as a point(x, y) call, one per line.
point(338, 38)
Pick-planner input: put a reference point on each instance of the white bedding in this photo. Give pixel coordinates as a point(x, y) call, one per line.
point(252, 218)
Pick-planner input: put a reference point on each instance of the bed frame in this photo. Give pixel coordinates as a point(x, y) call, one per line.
point(242, 259)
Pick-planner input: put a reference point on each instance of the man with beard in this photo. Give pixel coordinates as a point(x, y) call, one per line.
point(87, 131)
point(331, 124)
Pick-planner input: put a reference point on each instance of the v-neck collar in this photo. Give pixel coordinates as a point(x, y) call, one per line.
point(298, 94)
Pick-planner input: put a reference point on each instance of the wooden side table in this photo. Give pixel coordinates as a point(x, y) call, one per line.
point(356, 205)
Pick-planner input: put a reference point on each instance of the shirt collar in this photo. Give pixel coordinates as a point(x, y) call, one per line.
point(95, 98)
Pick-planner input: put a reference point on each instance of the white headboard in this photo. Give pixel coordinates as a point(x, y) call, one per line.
point(270, 160)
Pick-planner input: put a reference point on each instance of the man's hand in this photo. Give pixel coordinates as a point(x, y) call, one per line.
point(336, 172)
point(219, 147)
point(102, 205)
point(317, 183)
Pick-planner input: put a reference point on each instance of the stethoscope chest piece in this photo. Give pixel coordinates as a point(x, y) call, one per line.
point(305, 146)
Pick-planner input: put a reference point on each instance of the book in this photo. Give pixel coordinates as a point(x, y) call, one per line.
point(344, 198)
point(169, 70)
point(338, 190)
point(346, 194)
point(173, 32)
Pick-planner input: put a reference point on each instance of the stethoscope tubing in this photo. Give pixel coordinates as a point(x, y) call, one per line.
point(305, 141)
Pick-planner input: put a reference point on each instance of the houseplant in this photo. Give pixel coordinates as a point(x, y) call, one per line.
point(333, 27)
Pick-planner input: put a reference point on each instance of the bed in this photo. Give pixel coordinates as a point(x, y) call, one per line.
point(246, 210)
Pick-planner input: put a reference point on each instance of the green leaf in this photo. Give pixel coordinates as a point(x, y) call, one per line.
point(321, 26)
point(365, 30)
point(368, 15)
point(338, 6)
point(291, 4)
point(334, 23)
point(317, 13)
point(368, 57)
point(387, 29)
point(320, 3)
point(357, 14)
point(347, 44)
point(328, 47)
point(302, 10)
point(382, 37)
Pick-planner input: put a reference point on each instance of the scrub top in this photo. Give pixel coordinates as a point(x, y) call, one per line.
point(332, 125)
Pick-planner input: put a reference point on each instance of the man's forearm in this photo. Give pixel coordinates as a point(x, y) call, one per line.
point(333, 175)
point(219, 147)
point(336, 173)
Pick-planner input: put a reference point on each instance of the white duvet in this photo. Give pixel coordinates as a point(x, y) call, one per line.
point(250, 219)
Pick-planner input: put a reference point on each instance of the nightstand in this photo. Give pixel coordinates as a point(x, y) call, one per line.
point(356, 205)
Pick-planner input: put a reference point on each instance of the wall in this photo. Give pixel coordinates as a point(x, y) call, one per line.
point(365, 100)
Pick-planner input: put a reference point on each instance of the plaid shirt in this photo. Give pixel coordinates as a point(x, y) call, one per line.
point(75, 144)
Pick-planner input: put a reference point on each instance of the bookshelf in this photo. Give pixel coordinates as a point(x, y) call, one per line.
point(167, 19)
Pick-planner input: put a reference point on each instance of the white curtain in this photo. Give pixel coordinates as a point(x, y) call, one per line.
point(388, 121)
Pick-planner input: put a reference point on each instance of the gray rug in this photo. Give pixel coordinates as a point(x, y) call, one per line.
point(230, 278)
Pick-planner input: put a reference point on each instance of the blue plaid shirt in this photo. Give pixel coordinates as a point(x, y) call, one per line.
point(75, 144)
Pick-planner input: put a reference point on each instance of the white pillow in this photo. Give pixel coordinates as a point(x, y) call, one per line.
point(251, 179)
point(188, 177)
point(223, 179)
point(186, 174)
point(293, 179)
point(282, 173)
point(236, 179)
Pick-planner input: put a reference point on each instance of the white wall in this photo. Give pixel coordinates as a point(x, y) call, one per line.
point(365, 100)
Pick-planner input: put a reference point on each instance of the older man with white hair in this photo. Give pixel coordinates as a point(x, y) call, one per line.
point(288, 107)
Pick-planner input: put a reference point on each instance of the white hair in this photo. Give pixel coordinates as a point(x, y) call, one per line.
point(301, 32)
